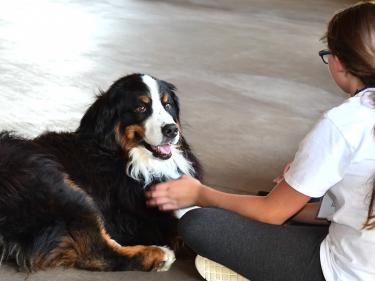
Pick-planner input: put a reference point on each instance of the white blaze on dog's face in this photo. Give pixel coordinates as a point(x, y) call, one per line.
point(160, 129)
point(159, 155)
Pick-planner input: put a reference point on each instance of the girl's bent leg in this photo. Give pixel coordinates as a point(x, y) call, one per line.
point(258, 251)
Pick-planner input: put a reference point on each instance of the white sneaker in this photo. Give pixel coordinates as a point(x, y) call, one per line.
point(212, 271)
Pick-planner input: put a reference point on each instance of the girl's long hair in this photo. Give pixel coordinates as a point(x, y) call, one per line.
point(351, 37)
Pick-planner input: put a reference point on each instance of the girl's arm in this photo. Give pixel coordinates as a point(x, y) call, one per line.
point(309, 214)
point(279, 205)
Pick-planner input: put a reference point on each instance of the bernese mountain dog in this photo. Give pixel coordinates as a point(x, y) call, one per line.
point(77, 199)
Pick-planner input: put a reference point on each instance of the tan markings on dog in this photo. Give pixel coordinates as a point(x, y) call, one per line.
point(165, 98)
point(145, 99)
point(110, 242)
point(127, 139)
point(87, 255)
point(131, 130)
point(72, 184)
point(61, 255)
point(69, 182)
point(77, 249)
point(152, 256)
point(71, 252)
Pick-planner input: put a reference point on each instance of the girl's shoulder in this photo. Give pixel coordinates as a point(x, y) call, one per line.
point(355, 110)
point(355, 119)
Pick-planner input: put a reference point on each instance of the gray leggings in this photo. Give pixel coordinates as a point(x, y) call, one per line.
point(258, 251)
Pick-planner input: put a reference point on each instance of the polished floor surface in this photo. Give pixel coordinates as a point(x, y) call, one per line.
point(250, 81)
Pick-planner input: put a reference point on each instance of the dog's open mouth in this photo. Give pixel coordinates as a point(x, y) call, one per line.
point(163, 151)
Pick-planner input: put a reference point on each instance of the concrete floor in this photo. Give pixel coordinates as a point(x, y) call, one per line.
point(249, 78)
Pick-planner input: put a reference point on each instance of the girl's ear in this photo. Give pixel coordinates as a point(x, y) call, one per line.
point(338, 65)
point(343, 78)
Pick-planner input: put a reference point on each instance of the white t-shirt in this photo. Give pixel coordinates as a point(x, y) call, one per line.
point(337, 160)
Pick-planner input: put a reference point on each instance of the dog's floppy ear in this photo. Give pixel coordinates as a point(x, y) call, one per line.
point(99, 120)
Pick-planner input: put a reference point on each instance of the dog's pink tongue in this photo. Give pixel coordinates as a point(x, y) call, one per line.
point(165, 149)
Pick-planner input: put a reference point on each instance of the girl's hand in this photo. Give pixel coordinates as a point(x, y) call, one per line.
point(175, 194)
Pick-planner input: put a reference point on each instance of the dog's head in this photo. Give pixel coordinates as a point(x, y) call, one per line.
point(139, 114)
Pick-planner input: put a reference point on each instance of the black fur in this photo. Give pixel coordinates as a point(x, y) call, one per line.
point(38, 208)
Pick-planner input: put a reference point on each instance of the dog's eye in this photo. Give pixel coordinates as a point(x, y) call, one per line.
point(140, 109)
point(168, 106)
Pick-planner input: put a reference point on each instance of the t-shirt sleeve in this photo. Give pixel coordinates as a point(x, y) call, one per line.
point(321, 160)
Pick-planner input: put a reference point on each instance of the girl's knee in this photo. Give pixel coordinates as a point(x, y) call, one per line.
point(195, 225)
point(198, 225)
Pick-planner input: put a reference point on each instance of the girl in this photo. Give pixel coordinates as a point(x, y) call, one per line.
point(336, 159)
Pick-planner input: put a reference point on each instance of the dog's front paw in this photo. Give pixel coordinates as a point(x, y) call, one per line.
point(158, 258)
point(168, 260)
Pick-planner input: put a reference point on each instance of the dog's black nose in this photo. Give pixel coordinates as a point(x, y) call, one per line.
point(169, 130)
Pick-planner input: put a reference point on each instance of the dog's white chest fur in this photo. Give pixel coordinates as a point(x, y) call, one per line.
point(142, 166)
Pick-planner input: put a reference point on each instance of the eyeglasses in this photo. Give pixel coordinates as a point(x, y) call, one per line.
point(324, 55)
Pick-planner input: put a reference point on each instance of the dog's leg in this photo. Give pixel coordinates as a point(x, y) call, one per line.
point(84, 243)
point(87, 245)
point(47, 221)
point(146, 258)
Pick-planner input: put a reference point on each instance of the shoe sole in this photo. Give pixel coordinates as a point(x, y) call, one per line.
point(213, 271)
